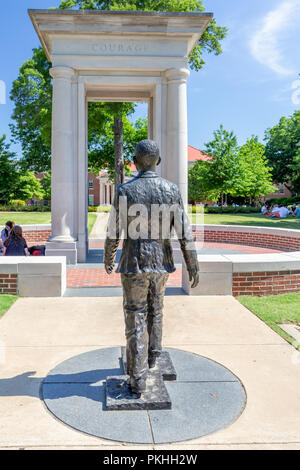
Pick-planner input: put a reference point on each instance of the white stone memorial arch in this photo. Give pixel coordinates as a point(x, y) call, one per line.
point(112, 56)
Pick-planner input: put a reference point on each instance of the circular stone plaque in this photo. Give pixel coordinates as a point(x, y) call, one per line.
point(205, 397)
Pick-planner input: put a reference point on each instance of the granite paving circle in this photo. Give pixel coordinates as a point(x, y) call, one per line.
point(205, 397)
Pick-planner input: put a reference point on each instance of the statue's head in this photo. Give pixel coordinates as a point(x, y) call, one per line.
point(146, 155)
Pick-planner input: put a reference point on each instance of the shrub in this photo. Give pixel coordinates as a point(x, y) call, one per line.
point(231, 210)
point(287, 201)
point(16, 205)
point(17, 208)
point(104, 208)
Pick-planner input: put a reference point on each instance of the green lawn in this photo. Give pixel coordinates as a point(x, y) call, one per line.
point(5, 302)
point(91, 220)
point(275, 309)
point(31, 218)
point(25, 218)
point(248, 219)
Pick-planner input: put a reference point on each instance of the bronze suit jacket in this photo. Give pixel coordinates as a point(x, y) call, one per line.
point(145, 210)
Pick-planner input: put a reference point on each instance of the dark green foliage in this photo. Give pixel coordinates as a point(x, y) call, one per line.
point(8, 175)
point(282, 151)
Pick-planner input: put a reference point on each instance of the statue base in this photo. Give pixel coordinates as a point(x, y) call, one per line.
point(155, 397)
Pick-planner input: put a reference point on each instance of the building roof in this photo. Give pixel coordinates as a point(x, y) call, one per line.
point(196, 154)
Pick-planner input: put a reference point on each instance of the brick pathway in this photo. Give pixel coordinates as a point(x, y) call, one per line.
point(99, 278)
point(217, 246)
point(90, 277)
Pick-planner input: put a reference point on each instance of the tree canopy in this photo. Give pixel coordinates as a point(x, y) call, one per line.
point(32, 96)
point(209, 42)
point(238, 171)
point(255, 174)
point(282, 151)
point(101, 153)
point(7, 171)
point(15, 183)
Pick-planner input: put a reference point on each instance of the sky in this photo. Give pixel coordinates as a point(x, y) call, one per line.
point(248, 88)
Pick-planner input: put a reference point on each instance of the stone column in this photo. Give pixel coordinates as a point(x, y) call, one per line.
point(177, 142)
point(101, 193)
point(62, 241)
point(107, 194)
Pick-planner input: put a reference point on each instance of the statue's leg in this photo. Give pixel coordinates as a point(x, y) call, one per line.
point(135, 290)
point(155, 313)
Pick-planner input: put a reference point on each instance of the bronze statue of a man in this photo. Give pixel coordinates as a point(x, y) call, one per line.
point(146, 209)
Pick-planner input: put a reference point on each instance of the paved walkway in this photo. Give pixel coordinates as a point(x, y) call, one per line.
point(38, 334)
point(99, 228)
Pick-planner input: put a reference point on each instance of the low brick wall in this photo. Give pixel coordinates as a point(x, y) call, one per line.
point(266, 283)
point(36, 234)
point(262, 274)
point(8, 284)
point(33, 276)
point(276, 238)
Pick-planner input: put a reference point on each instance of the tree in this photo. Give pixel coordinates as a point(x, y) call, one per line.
point(15, 183)
point(102, 151)
point(209, 42)
point(222, 169)
point(282, 151)
point(46, 185)
point(256, 175)
point(32, 97)
point(8, 175)
point(114, 113)
point(28, 187)
point(200, 184)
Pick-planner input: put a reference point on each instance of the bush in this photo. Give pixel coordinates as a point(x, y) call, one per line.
point(16, 208)
point(93, 209)
point(286, 201)
point(16, 205)
point(231, 210)
point(104, 208)
point(37, 208)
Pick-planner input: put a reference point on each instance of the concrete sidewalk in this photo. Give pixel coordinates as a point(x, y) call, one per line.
point(37, 334)
point(100, 226)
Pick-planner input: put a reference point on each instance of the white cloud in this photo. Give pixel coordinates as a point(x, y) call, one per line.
point(267, 44)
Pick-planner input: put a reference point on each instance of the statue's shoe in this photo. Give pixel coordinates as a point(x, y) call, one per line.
point(136, 392)
point(151, 362)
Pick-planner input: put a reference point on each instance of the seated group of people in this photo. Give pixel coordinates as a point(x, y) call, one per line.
point(280, 210)
point(12, 242)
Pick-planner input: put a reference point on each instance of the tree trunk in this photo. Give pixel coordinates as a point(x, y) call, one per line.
point(119, 157)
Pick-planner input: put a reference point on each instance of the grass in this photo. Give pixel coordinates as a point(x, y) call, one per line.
point(25, 218)
point(6, 302)
point(275, 309)
point(248, 219)
point(32, 218)
point(91, 221)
